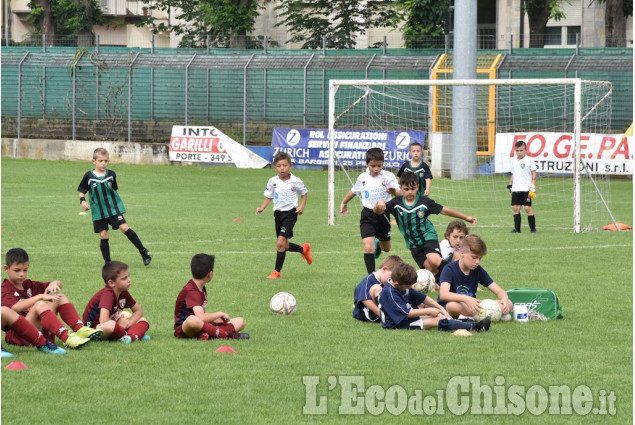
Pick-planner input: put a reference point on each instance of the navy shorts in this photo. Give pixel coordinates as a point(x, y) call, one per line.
point(114, 221)
point(374, 225)
point(521, 198)
point(420, 253)
point(285, 220)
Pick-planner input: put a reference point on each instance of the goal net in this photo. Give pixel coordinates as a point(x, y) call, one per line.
point(563, 121)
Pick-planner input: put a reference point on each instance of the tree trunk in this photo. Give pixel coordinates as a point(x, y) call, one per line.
point(47, 24)
point(615, 24)
point(537, 15)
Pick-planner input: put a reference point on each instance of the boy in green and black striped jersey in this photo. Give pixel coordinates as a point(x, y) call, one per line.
point(411, 212)
point(105, 203)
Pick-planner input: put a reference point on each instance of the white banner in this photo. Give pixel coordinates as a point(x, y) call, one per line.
point(553, 152)
point(209, 144)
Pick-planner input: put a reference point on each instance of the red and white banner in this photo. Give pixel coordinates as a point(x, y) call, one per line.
point(553, 152)
point(209, 144)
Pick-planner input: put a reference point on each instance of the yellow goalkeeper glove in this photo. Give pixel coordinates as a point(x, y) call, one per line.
point(532, 191)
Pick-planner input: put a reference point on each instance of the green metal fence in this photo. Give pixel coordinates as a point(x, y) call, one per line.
point(137, 95)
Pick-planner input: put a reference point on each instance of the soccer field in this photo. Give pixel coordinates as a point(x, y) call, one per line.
point(318, 365)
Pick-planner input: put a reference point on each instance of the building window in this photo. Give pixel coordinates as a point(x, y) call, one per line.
point(553, 36)
point(572, 32)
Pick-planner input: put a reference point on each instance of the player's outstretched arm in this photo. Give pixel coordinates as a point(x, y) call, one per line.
point(429, 302)
point(453, 213)
point(261, 208)
point(300, 209)
point(344, 205)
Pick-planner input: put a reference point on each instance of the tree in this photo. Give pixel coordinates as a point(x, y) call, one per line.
point(227, 22)
point(538, 13)
point(615, 21)
point(424, 18)
point(66, 17)
point(341, 21)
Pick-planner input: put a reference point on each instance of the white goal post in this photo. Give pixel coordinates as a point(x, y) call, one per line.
point(569, 109)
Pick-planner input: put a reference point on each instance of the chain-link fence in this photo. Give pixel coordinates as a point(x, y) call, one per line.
point(138, 94)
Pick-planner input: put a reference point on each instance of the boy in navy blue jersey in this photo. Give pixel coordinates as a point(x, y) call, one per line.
point(411, 212)
point(283, 190)
point(368, 289)
point(404, 308)
point(460, 280)
point(106, 206)
point(371, 186)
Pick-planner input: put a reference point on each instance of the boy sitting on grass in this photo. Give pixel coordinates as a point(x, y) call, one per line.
point(39, 303)
point(368, 289)
point(397, 299)
point(104, 310)
point(190, 318)
point(460, 280)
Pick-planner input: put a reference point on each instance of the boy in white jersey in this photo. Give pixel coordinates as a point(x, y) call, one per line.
point(522, 185)
point(284, 189)
point(371, 186)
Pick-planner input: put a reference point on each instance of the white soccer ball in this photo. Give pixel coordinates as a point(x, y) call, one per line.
point(282, 303)
point(489, 308)
point(425, 281)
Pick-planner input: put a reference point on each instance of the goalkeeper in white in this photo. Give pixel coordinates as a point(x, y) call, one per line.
point(522, 185)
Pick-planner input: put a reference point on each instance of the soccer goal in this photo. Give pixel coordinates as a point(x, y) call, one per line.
point(565, 123)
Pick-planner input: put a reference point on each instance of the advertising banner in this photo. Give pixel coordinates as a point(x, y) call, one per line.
point(309, 146)
point(553, 152)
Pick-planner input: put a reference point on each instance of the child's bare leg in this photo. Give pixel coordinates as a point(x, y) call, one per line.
point(374, 291)
point(369, 245)
point(430, 322)
point(432, 262)
point(192, 326)
point(384, 245)
point(107, 328)
point(455, 309)
point(239, 323)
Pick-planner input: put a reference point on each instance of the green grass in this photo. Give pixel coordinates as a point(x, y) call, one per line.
point(180, 211)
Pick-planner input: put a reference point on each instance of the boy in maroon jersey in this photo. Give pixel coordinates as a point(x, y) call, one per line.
point(105, 308)
point(27, 298)
point(190, 318)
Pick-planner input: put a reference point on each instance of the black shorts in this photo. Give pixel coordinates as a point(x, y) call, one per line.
point(521, 198)
point(420, 253)
point(285, 220)
point(114, 221)
point(374, 225)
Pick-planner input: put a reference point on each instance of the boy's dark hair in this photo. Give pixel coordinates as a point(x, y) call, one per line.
point(520, 143)
point(415, 144)
point(458, 225)
point(281, 156)
point(374, 154)
point(16, 255)
point(111, 270)
point(475, 245)
point(390, 262)
point(201, 265)
point(100, 151)
point(409, 179)
point(404, 274)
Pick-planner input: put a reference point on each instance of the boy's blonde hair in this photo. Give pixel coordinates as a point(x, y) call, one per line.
point(100, 151)
point(391, 262)
point(474, 244)
point(404, 274)
point(458, 225)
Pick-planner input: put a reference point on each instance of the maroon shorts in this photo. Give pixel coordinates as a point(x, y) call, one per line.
point(178, 331)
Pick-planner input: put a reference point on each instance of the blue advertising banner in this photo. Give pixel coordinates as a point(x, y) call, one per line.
point(309, 146)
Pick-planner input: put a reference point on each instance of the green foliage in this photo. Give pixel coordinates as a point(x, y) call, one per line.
point(70, 16)
point(341, 21)
point(424, 18)
point(178, 211)
point(225, 21)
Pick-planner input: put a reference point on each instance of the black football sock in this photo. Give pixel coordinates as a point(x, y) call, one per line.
point(132, 237)
point(105, 249)
point(295, 248)
point(449, 325)
point(532, 222)
point(437, 277)
point(369, 260)
point(517, 222)
point(280, 260)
